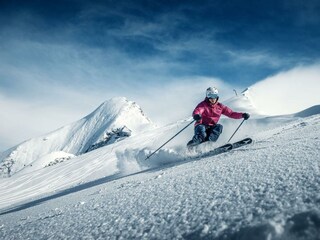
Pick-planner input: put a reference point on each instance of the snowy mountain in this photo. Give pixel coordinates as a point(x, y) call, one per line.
point(111, 121)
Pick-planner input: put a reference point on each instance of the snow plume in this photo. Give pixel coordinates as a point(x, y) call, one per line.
point(127, 163)
point(134, 160)
point(288, 92)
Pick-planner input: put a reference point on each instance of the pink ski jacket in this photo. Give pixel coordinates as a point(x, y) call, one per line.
point(211, 113)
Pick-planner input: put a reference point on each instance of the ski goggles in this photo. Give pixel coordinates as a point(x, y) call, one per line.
point(212, 95)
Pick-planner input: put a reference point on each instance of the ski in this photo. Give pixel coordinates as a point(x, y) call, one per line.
point(222, 149)
point(241, 143)
point(225, 148)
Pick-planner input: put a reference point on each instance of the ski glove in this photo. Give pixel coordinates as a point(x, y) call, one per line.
point(197, 117)
point(245, 116)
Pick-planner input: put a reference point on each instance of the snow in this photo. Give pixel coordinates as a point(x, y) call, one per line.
point(47, 161)
point(269, 189)
point(266, 190)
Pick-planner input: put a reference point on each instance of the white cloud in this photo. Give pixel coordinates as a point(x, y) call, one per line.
point(288, 92)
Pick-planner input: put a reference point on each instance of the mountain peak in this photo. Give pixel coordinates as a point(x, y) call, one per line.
point(110, 106)
point(120, 108)
point(114, 102)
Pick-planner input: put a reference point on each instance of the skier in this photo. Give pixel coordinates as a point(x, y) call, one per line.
point(207, 114)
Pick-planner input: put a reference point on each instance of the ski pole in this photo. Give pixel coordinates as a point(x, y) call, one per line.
point(236, 130)
point(170, 139)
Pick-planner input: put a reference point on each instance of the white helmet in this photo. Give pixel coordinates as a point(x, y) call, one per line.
point(212, 92)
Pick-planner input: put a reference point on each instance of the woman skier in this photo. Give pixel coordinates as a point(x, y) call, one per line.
point(207, 114)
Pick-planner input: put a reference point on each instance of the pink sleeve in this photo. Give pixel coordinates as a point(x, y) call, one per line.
point(231, 114)
point(198, 110)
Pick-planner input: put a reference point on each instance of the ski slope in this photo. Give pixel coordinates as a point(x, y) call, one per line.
point(266, 190)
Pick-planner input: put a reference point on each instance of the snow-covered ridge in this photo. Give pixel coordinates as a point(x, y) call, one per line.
point(308, 112)
point(76, 138)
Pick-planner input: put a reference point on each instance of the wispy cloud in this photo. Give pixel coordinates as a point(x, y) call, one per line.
point(256, 58)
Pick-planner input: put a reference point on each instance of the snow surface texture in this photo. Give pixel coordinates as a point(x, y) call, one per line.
point(267, 190)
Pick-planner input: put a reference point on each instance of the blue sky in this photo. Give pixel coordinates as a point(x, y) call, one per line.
point(69, 56)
